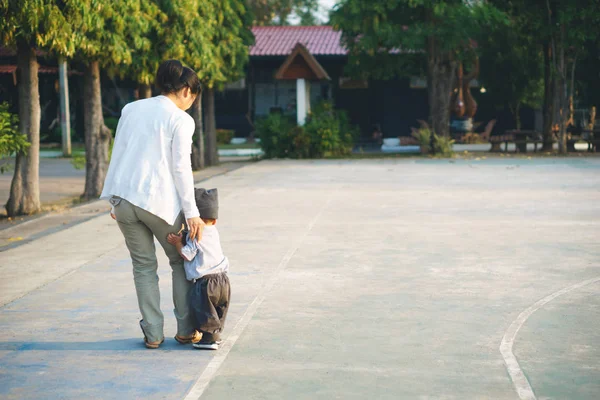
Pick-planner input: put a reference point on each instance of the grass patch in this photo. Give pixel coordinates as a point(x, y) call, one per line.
point(239, 146)
point(62, 204)
point(360, 156)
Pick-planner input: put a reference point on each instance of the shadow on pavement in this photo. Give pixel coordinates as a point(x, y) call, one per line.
point(131, 344)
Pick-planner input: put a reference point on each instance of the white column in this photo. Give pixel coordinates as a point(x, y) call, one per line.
point(301, 110)
point(65, 116)
point(307, 86)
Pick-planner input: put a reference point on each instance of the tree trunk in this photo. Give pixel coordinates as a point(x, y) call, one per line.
point(25, 187)
point(441, 71)
point(562, 94)
point(548, 98)
point(516, 112)
point(144, 91)
point(97, 135)
point(212, 155)
point(198, 147)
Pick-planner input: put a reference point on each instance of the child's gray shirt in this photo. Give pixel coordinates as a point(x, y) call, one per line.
point(205, 257)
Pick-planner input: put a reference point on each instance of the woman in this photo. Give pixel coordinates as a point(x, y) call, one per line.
point(149, 183)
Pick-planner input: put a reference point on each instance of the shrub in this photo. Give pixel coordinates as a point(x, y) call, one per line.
point(274, 134)
point(11, 141)
point(224, 136)
point(348, 132)
point(327, 133)
point(301, 143)
point(111, 123)
point(443, 145)
point(330, 132)
point(423, 136)
point(78, 161)
point(55, 135)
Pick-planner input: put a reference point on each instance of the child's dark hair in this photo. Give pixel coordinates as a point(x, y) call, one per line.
point(172, 76)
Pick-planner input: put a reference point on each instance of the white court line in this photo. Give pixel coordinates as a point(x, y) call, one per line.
point(519, 379)
point(213, 366)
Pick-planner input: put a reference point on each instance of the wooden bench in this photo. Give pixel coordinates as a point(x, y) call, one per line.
point(497, 140)
point(525, 137)
point(521, 138)
point(592, 137)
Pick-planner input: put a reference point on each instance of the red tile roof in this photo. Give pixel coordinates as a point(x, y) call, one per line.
point(280, 40)
point(7, 69)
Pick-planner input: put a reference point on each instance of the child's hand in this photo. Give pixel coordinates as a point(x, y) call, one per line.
point(112, 215)
point(173, 238)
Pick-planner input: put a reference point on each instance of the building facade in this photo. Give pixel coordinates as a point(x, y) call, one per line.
point(393, 105)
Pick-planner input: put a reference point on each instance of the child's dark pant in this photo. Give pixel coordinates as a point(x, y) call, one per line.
point(209, 299)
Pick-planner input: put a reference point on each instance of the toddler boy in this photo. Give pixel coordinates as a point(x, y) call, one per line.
point(207, 267)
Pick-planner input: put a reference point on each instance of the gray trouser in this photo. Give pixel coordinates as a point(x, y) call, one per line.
point(209, 301)
point(139, 227)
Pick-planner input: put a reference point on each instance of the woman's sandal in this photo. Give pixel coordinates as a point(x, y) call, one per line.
point(195, 338)
point(150, 345)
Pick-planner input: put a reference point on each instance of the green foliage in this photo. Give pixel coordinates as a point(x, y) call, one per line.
point(307, 10)
point(224, 136)
point(423, 136)
point(100, 29)
point(78, 161)
point(565, 30)
point(391, 38)
point(301, 143)
point(183, 34)
point(147, 23)
point(39, 23)
point(55, 135)
point(443, 146)
point(327, 133)
point(376, 31)
point(211, 36)
point(11, 141)
point(275, 135)
point(231, 38)
point(278, 12)
point(111, 123)
point(517, 53)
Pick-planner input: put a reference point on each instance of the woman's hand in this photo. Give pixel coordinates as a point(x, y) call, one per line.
point(195, 227)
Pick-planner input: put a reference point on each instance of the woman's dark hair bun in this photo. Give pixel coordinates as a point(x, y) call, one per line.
point(172, 76)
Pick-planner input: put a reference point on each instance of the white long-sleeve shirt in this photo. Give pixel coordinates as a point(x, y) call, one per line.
point(150, 165)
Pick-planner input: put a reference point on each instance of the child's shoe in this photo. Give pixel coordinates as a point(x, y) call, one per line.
point(206, 345)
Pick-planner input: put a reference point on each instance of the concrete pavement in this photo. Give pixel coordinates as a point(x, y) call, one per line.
point(350, 279)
